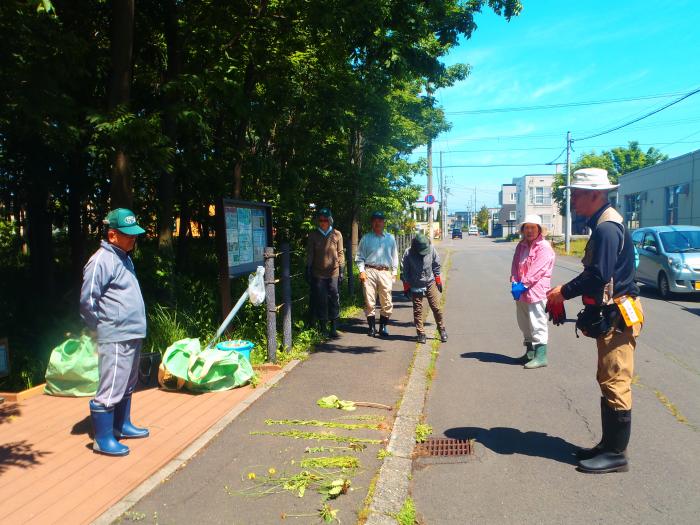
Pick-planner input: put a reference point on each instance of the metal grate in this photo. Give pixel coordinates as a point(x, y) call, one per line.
point(439, 447)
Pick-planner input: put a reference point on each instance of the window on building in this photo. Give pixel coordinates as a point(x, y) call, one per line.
point(541, 196)
point(513, 197)
point(633, 210)
point(511, 216)
point(672, 193)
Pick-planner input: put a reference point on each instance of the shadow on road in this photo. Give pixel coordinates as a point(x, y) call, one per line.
point(489, 357)
point(504, 440)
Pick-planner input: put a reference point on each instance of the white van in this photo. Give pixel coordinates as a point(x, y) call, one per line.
point(473, 230)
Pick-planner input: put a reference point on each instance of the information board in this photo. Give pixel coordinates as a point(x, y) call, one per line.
point(4, 358)
point(248, 232)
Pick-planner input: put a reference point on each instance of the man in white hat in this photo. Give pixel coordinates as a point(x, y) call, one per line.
point(612, 315)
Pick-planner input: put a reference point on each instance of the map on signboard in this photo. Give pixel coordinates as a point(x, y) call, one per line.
point(246, 235)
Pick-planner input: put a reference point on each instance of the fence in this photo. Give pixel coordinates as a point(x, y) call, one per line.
point(403, 242)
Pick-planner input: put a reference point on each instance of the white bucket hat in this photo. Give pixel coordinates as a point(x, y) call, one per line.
point(591, 179)
point(532, 219)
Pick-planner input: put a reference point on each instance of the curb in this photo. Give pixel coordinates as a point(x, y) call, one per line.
point(392, 486)
point(128, 501)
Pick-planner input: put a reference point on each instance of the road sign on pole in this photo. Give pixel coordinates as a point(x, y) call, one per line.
point(430, 199)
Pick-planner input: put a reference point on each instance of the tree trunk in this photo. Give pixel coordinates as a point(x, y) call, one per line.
point(75, 229)
point(39, 235)
point(122, 192)
point(166, 185)
point(184, 233)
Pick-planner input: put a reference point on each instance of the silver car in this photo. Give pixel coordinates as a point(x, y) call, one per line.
point(669, 258)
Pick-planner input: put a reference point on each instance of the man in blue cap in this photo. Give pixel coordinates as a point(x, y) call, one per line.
point(112, 307)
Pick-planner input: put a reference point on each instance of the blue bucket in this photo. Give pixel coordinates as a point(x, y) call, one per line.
point(239, 345)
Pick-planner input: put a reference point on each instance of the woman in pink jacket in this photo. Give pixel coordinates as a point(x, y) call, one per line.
point(530, 275)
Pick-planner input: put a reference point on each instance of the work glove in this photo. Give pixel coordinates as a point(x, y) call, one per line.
point(438, 283)
point(517, 289)
point(407, 290)
point(307, 274)
point(557, 313)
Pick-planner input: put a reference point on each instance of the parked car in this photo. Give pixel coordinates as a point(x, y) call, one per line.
point(457, 233)
point(669, 258)
point(473, 230)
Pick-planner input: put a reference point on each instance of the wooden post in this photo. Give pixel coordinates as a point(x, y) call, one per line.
point(270, 303)
point(222, 251)
point(286, 298)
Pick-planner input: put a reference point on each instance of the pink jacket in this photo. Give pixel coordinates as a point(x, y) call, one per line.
point(535, 271)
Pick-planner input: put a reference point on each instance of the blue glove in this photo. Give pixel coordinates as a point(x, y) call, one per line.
point(517, 289)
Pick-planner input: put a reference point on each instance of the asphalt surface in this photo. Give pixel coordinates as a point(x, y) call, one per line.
point(208, 489)
point(527, 423)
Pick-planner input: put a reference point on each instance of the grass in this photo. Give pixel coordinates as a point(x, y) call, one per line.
point(577, 247)
point(407, 514)
point(334, 462)
point(423, 431)
point(363, 515)
point(326, 424)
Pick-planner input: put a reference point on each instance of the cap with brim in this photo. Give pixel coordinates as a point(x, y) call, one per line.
point(595, 179)
point(421, 244)
point(378, 215)
point(124, 221)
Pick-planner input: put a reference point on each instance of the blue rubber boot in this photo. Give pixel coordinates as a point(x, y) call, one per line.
point(103, 423)
point(123, 428)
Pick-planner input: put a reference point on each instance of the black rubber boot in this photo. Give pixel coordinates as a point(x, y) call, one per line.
point(420, 338)
point(588, 453)
point(612, 458)
point(332, 329)
point(372, 323)
point(443, 335)
point(383, 321)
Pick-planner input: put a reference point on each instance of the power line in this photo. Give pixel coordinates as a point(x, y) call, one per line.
point(501, 165)
point(553, 148)
point(649, 114)
point(562, 105)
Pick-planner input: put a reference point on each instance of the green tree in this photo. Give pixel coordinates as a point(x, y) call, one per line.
point(482, 219)
point(617, 162)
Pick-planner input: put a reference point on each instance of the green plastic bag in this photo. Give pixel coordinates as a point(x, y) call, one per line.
point(210, 370)
point(72, 369)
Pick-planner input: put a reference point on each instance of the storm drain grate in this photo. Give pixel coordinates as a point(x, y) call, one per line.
point(439, 447)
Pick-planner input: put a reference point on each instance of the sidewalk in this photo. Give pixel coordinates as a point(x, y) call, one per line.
point(49, 474)
point(354, 367)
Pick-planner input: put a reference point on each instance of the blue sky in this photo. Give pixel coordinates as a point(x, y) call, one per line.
point(559, 52)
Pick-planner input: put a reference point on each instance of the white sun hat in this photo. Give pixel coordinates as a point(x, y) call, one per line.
point(591, 179)
point(532, 219)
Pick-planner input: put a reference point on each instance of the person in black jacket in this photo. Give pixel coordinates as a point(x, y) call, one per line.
point(612, 315)
point(420, 273)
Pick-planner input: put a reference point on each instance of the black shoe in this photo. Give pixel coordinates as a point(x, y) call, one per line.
point(443, 335)
point(332, 330)
point(420, 338)
point(383, 321)
point(604, 463)
point(372, 324)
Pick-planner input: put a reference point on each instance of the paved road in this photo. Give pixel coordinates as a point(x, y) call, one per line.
point(527, 423)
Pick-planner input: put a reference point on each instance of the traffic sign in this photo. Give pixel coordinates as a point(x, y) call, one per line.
point(430, 198)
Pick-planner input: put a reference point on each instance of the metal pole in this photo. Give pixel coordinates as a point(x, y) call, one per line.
point(443, 209)
point(567, 192)
point(286, 298)
point(270, 303)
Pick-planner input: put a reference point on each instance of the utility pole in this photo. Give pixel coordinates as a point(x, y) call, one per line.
point(443, 208)
point(567, 192)
point(430, 187)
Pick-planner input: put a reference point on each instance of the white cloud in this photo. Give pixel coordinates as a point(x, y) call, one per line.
point(552, 87)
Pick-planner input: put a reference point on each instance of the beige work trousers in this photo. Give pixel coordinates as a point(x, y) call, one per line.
point(616, 365)
point(378, 282)
point(419, 313)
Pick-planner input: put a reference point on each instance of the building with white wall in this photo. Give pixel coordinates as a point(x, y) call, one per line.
point(664, 194)
point(534, 196)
